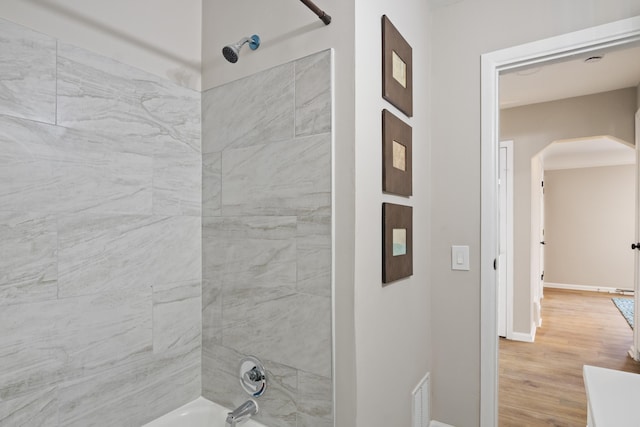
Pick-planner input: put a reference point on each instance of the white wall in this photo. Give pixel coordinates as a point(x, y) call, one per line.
point(162, 37)
point(589, 224)
point(461, 32)
point(392, 322)
point(288, 30)
point(533, 127)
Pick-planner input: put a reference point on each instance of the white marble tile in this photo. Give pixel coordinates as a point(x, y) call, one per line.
point(28, 257)
point(313, 94)
point(104, 182)
point(220, 383)
point(278, 402)
point(314, 400)
point(39, 409)
point(254, 258)
point(314, 255)
point(32, 358)
point(107, 253)
point(29, 177)
point(137, 108)
point(177, 184)
point(177, 317)
point(211, 183)
point(211, 312)
point(45, 342)
point(103, 330)
point(254, 110)
point(282, 330)
point(45, 168)
point(283, 178)
point(130, 395)
point(27, 73)
point(173, 292)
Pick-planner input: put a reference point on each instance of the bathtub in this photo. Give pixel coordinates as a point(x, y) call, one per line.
point(198, 413)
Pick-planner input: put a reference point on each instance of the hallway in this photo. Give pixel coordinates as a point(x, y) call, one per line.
point(541, 383)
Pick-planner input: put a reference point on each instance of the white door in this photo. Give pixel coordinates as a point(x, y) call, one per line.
point(505, 241)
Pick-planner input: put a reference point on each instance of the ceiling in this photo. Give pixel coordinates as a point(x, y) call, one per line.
point(619, 68)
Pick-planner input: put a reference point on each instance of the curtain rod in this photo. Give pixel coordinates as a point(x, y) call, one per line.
point(315, 9)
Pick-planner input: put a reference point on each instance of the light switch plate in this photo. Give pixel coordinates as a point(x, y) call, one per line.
point(459, 257)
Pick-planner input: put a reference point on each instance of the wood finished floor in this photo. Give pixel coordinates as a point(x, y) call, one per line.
point(541, 383)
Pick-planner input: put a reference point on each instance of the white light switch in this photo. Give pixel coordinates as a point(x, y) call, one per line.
point(459, 257)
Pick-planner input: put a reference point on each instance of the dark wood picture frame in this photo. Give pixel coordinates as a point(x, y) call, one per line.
point(397, 175)
point(397, 263)
point(397, 84)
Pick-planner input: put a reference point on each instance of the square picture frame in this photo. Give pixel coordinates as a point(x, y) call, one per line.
point(397, 163)
point(397, 242)
point(397, 68)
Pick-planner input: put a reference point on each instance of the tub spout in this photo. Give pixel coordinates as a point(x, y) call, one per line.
point(242, 413)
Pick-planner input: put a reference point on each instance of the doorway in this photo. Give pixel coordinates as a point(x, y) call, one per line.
point(593, 39)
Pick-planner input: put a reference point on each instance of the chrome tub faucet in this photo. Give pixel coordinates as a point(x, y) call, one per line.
point(242, 413)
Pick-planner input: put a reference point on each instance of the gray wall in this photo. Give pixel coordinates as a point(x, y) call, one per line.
point(589, 222)
point(267, 239)
point(532, 128)
point(99, 238)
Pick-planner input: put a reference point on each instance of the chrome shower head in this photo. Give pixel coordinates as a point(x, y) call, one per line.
point(232, 51)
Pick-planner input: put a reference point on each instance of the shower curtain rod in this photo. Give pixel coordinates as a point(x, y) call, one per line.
point(315, 9)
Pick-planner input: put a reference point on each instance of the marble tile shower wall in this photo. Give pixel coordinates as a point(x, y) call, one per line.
point(100, 238)
point(267, 239)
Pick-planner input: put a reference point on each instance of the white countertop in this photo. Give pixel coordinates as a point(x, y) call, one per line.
point(613, 397)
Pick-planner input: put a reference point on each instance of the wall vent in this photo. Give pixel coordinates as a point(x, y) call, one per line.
point(421, 403)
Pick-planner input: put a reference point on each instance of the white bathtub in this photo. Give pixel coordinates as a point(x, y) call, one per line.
point(198, 413)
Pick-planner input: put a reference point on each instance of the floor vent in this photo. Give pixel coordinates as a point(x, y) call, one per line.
point(421, 407)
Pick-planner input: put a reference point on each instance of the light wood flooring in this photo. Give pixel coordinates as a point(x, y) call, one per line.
point(541, 383)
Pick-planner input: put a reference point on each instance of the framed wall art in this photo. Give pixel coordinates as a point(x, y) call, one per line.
point(396, 155)
point(397, 68)
point(397, 242)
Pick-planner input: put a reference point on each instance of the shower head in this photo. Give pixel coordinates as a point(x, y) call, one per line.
point(231, 52)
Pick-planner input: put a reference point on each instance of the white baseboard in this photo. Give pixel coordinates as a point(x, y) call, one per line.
point(571, 287)
point(435, 423)
point(525, 337)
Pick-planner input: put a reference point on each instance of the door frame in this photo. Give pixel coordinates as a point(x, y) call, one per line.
point(609, 35)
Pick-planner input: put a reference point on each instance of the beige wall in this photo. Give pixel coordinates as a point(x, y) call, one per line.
point(589, 224)
point(461, 32)
point(532, 128)
point(159, 36)
point(638, 97)
point(392, 322)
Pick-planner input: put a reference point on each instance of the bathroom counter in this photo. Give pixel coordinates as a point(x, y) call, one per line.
point(613, 397)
